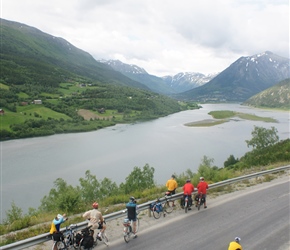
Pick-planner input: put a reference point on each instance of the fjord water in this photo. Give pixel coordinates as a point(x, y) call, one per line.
point(30, 166)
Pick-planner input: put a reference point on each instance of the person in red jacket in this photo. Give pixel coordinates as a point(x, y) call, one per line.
point(188, 188)
point(202, 186)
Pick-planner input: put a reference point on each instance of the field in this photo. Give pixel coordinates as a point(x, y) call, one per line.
point(31, 111)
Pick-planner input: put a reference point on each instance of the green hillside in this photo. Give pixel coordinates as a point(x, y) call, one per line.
point(277, 96)
point(48, 86)
point(29, 56)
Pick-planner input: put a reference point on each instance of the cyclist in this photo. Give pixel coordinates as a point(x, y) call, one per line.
point(132, 213)
point(188, 188)
point(171, 185)
point(235, 245)
point(55, 225)
point(202, 186)
point(96, 219)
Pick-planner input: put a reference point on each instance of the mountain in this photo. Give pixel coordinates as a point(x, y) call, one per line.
point(30, 56)
point(184, 81)
point(164, 85)
point(244, 78)
point(134, 72)
point(277, 96)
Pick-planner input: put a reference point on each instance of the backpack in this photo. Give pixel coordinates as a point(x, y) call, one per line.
point(88, 242)
point(57, 236)
point(78, 238)
point(158, 208)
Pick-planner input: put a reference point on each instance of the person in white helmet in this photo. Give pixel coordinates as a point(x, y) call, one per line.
point(235, 245)
point(202, 187)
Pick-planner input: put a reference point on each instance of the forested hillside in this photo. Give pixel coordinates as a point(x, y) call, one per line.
point(49, 86)
point(277, 96)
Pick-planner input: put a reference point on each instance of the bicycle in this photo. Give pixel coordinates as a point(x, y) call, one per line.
point(200, 200)
point(166, 207)
point(128, 230)
point(103, 237)
point(187, 203)
point(86, 233)
point(67, 240)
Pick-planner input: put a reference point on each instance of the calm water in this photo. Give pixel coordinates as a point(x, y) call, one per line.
point(30, 166)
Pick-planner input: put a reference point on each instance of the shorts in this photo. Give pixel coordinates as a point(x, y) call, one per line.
point(172, 192)
point(100, 226)
point(133, 219)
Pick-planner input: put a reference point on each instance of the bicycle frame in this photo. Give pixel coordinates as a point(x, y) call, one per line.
point(128, 228)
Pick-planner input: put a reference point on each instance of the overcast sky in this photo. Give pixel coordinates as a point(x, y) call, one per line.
point(164, 37)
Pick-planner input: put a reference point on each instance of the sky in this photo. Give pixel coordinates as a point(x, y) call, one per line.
point(165, 37)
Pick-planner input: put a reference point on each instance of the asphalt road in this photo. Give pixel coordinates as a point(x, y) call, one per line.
point(259, 216)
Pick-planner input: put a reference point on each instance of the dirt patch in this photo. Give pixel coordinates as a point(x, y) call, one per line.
point(88, 115)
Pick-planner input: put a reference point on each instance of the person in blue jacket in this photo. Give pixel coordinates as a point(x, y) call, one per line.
point(132, 213)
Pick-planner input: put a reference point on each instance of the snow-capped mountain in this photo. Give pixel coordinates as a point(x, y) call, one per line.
point(184, 81)
point(164, 85)
point(123, 67)
point(244, 78)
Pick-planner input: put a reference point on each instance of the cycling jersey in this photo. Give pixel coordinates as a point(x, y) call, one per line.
point(131, 210)
point(55, 225)
point(171, 185)
point(188, 188)
point(202, 187)
point(95, 216)
point(235, 246)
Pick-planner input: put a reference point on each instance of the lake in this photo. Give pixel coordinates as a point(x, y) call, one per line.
point(30, 166)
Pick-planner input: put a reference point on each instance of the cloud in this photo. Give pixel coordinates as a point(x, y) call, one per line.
point(164, 36)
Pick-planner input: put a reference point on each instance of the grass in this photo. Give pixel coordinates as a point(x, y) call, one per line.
point(223, 116)
point(4, 86)
point(28, 112)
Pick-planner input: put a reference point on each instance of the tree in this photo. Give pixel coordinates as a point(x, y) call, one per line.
point(230, 161)
point(63, 197)
point(13, 214)
point(263, 137)
point(139, 180)
point(90, 187)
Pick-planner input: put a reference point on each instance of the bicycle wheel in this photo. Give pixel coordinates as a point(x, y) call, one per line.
point(156, 212)
point(168, 206)
point(80, 245)
point(105, 239)
point(185, 207)
point(199, 204)
point(127, 237)
point(58, 245)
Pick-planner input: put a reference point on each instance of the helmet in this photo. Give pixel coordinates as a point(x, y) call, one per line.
point(173, 176)
point(188, 180)
point(237, 239)
point(132, 198)
point(95, 205)
point(201, 178)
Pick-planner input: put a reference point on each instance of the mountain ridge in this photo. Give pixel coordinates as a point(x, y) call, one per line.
point(244, 78)
point(168, 85)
